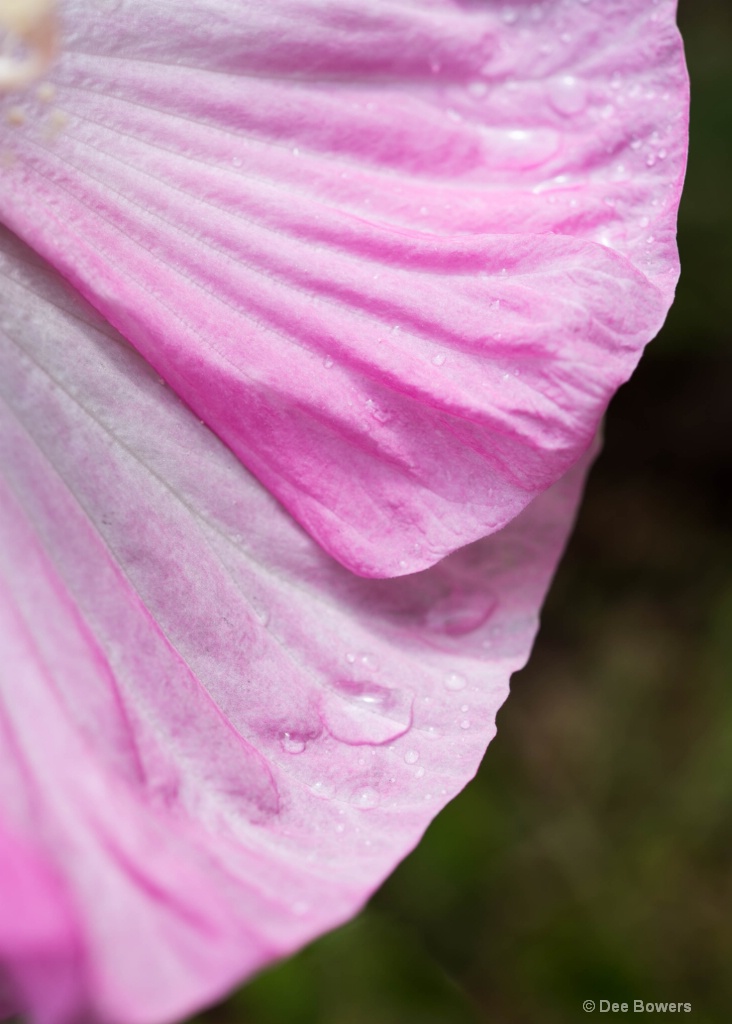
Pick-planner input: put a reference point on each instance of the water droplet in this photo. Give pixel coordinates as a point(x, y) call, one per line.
point(340, 827)
point(419, 773)
point(454, 681)
point(460, 611)
point(650, 160)
point(567, 95)
point(360, 711)
point(366, 797)
point(291, 743)
point(327, 362)
point(411, 756)
point(464, 708)
point(465, 724)
point(377, 412)
point(439, 359)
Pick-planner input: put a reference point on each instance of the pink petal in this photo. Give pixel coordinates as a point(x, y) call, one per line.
point(214, 740)
point(396, 255)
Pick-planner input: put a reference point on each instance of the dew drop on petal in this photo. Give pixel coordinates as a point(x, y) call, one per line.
point(361, 711)
point(454, 681)
point(411, 756)
point(460, 612)
point(291, 743)
point(365, 797)
point(567, 95)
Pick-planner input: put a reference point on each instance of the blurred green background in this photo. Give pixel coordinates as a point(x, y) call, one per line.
point(591, 857)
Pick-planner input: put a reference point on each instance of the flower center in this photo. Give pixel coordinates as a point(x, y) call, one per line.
point(27, 41)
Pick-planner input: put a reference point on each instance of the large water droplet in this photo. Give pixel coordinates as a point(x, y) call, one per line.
point(567, 95)
point(460, 612)
point(292, 743)
point(361, 711)
point(519, 148)
point(411, 756)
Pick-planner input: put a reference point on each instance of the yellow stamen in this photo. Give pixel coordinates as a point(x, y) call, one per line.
point(27, 41)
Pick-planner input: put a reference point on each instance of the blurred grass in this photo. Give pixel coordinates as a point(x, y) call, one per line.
point(590, 858)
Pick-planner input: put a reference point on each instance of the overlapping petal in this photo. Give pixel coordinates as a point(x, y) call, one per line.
point(216, 740)
point(397, 255)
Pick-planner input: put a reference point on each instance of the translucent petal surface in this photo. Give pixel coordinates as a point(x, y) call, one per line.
point(215, 741)
point(397, 255)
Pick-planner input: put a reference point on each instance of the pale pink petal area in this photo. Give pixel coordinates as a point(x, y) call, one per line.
point(215, 741)
point(397, 255)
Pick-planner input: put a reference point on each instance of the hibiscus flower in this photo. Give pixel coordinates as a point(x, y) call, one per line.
point(310, 312)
